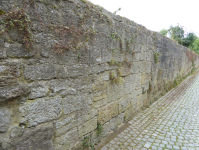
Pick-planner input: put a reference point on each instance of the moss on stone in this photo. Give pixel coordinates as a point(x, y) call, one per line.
point(1, 12)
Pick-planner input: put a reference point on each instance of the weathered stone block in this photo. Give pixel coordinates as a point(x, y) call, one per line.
point(129, 83)
point(98, 68)
point(69, 91)
point(77, 102)
point(99, 87)
point(38, 91)
point(40, 111)
point(9, 70)
point(106, 55)
point(144, 78)
point(115, 91)
point(118, 56)
point(87, 127)
point(64, 124)
point(77, 71)
point(67, 141)
point(5, 118)
point(107, 112)
point(128, 114)
point(10, 92)
point(126, 70)
point(41, 72)
point(2, 51)
point(39, 138)
point(95, 53)
point(135, 67)
point(137, 80)
point(99, 96)
point(59, 85)
point(16, 132)
point(18, 50)
point(105, 76)
point(100, 103)
point(107, 128)
point(143, 66)
point(124, 103)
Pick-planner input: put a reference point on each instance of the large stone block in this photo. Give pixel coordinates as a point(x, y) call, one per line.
point(67, 141)
point(107, 112)
point(87, 127)
point(126, 70)
point(137, 80)
point(77, 71)
point(99, 96)
point(10, 92)
point(100, 103)
point(128, 114)
point(38, 91)
point(115, 91)
point(129, 83)
point(118, 56)
point(107, 128)
point(5, 118)
point(98, 68)
point(9, 74)
point(72, 103)
point(9, 70)
point(41, 72)
point(143, 66)
point(59, 85)
point(39, 138)
point(124, 103)
point(19, 50)
point(64, 124)
point(105, 76)
point(98, 87)
point(40, 111)
point(135, 67)
point(144, 78)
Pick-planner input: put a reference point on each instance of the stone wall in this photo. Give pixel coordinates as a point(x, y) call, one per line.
point(72, 68)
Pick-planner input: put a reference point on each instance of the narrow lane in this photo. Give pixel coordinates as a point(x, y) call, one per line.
point(172, 122)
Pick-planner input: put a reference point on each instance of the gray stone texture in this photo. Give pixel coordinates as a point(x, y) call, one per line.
point(39, 137)
point(87, 66)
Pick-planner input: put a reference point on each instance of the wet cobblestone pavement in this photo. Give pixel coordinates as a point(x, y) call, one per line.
point(172, 122)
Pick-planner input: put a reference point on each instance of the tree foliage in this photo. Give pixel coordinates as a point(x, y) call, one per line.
point(164, 32)
point(195, 46)
point(178, 34)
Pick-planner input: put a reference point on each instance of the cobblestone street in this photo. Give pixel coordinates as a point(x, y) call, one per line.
point(172, 122)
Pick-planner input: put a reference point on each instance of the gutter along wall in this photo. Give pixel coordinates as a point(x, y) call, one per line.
point(73, 72)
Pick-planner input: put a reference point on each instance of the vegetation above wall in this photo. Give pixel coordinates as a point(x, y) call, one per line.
point(187, 39)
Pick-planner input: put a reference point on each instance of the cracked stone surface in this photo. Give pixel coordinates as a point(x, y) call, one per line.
point(172, 122)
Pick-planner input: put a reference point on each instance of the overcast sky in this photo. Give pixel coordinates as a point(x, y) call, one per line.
point(157, 14)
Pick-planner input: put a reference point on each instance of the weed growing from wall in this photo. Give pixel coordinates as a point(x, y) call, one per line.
point(86, 142)
point(1, 12)
point(113, 77)
point(156, 57)
point(72, 38)
point(193, 66)
point(99, 128)
point(118, 71)
point(143, 91)
point(150, 88)
point(175, 83)
point(17, 19)
point(113, 62)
